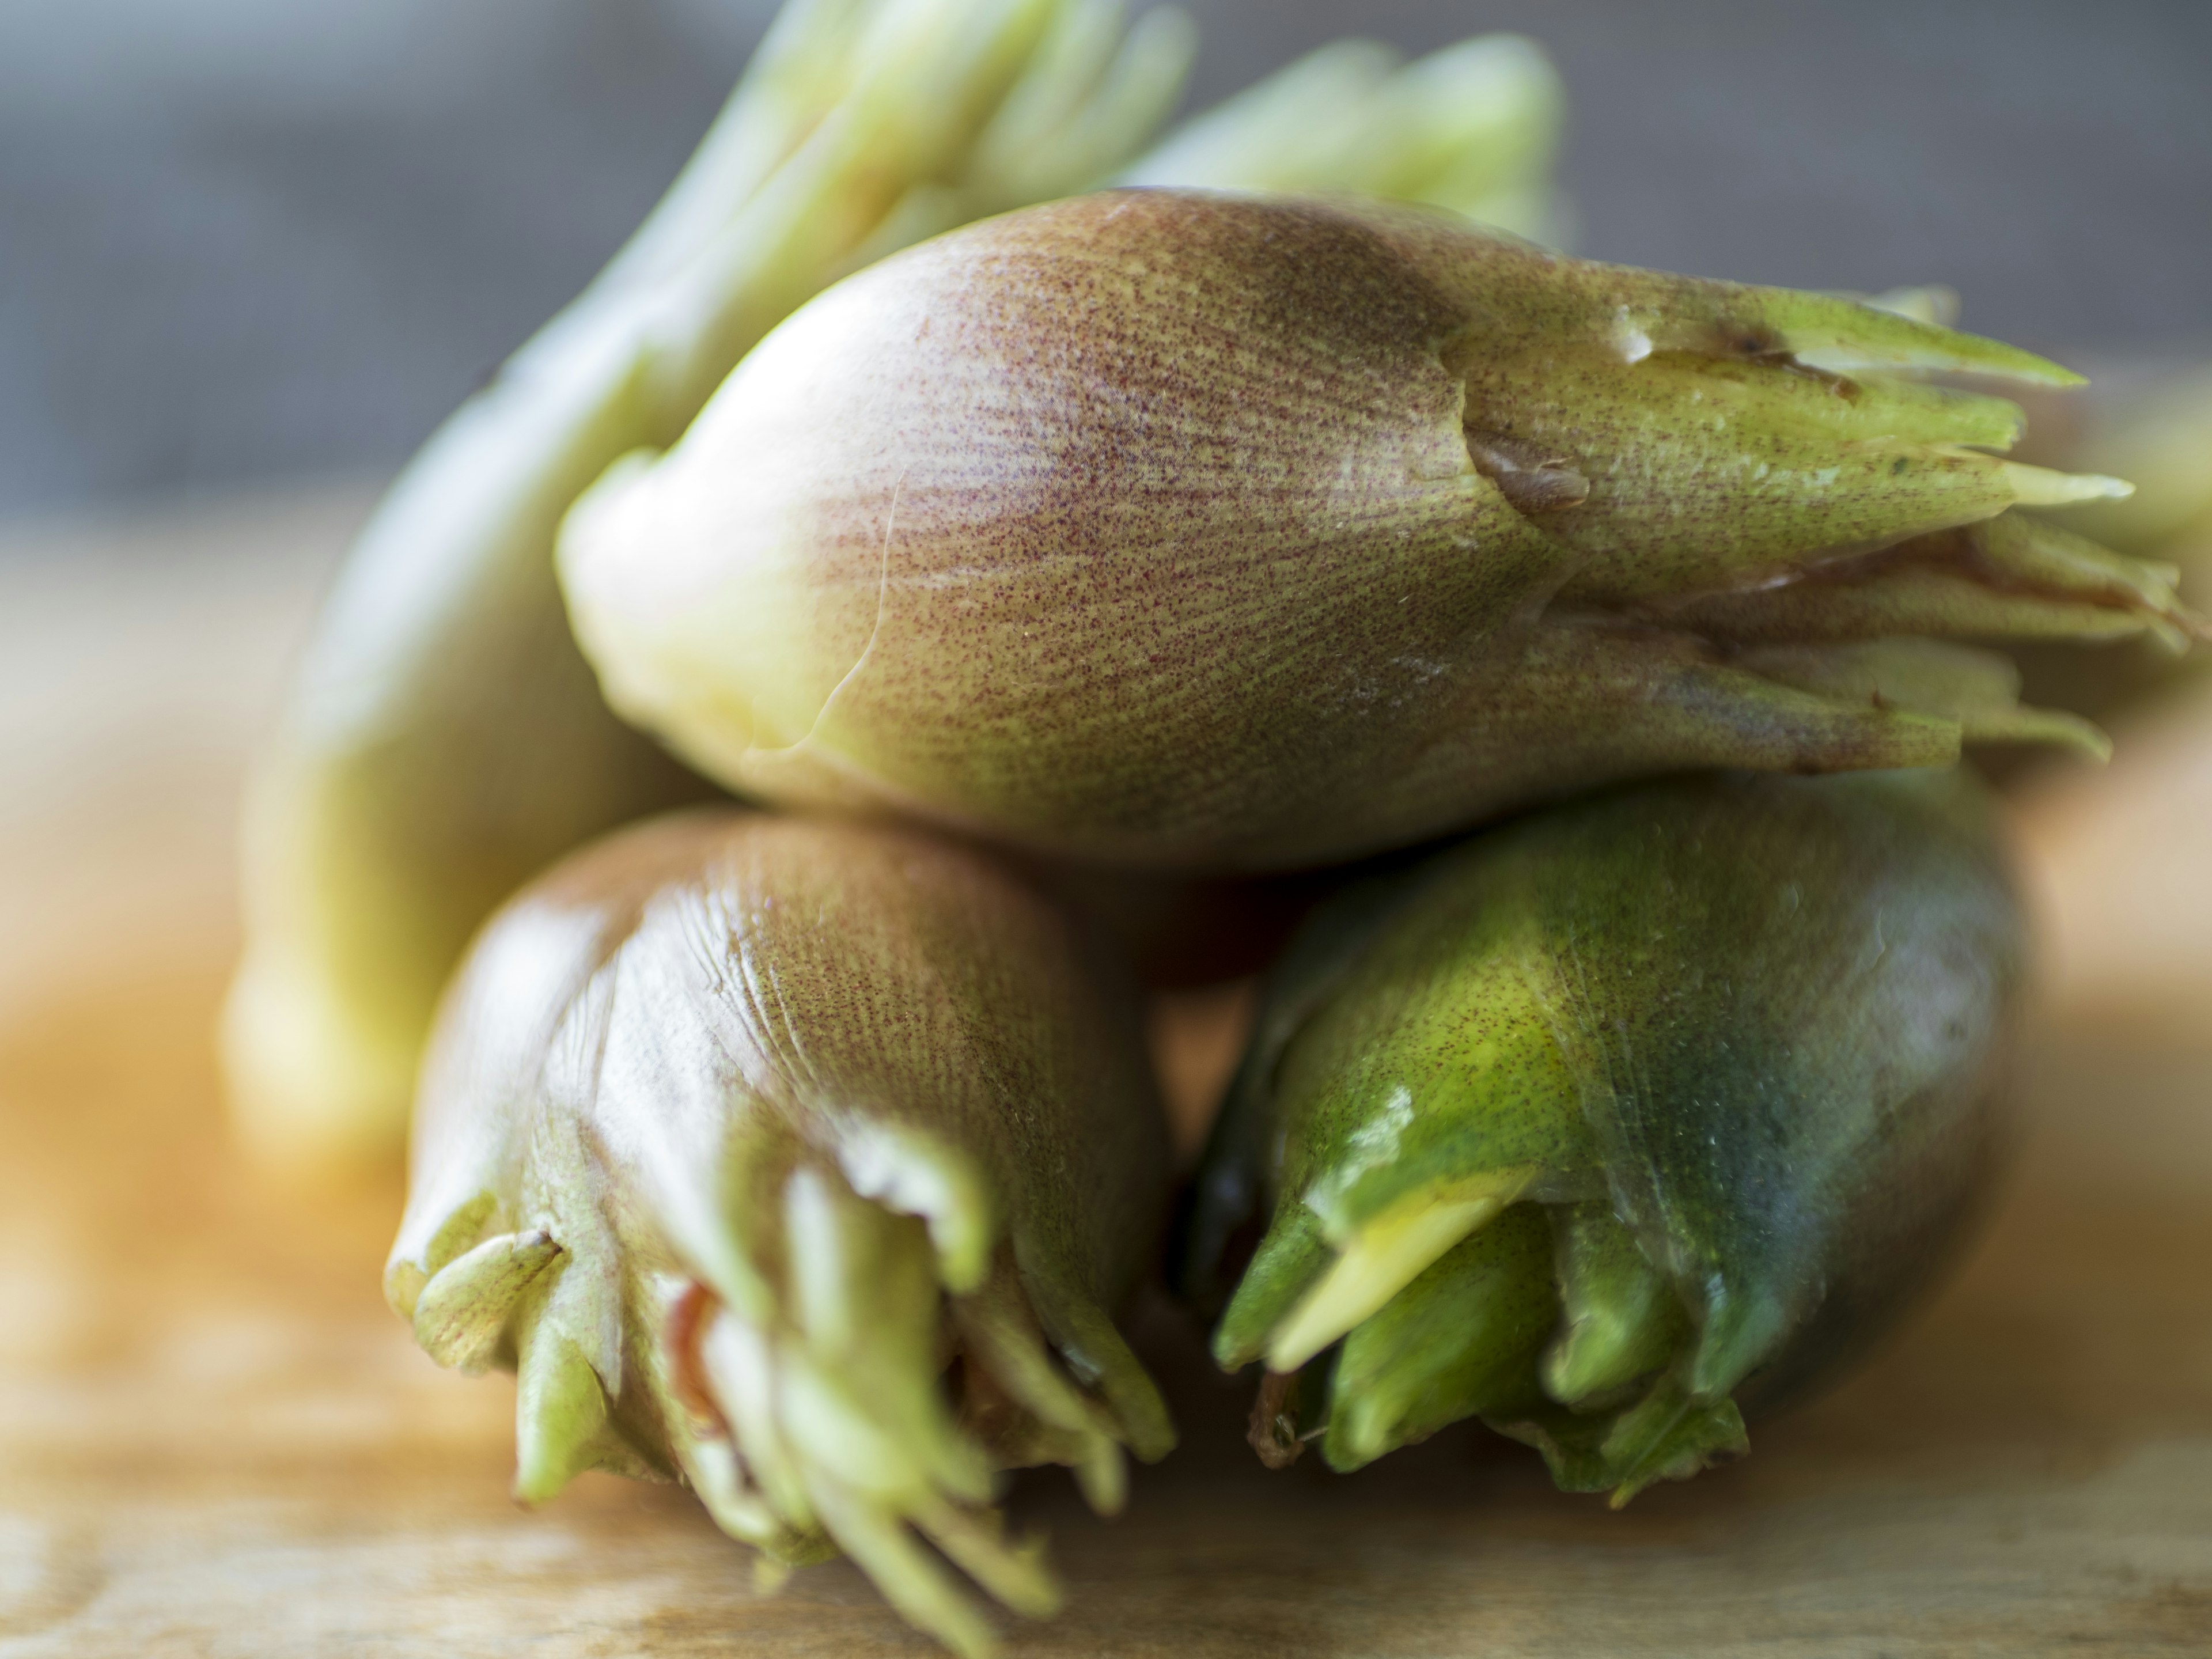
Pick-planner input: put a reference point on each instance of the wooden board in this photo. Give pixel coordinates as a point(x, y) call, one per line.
point(214, 1440)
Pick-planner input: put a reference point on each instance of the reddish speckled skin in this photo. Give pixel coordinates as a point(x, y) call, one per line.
point(1158, 527)
point(1123, 515)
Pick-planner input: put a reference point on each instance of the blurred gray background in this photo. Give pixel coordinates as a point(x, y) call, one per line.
point(260, 241)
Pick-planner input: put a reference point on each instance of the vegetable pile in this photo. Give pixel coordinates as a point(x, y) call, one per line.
point(1007, 512)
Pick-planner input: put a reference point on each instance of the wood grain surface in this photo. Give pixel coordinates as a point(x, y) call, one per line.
point(214, 1440)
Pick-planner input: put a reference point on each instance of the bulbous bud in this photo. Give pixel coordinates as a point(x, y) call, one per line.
point(1608, 1125)
point(1189, 529)
point(806, 1161)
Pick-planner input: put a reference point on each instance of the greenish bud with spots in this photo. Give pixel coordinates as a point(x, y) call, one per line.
point(806, 1162)
point(1196, 530)
point(1611, 1126)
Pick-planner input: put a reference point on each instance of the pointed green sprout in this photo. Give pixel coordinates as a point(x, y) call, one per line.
point(2159, 425)
point(1187, 531)
point(1609, 1126)
point(805, 1163)
point(445, 740)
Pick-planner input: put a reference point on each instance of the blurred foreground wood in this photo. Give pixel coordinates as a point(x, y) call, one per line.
point(214, 1440)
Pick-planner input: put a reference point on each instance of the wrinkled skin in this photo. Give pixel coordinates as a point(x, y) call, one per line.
point(1200, 532)
point(805, 1162)
point(1609, 1125)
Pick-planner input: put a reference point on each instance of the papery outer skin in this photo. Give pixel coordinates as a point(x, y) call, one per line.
point(1765, 1021)
point(445, 740)
point(1149, 528)
point(649, 1051)
point(841, 647)
point(1025, 1064)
